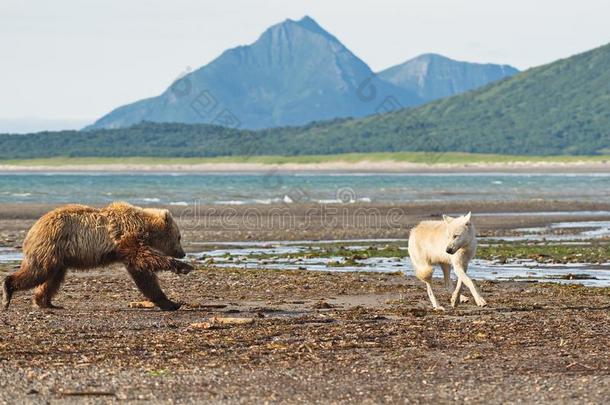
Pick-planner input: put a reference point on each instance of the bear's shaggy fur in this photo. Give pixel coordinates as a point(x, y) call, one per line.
point(146, 240)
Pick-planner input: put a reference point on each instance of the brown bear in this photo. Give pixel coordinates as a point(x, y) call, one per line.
point(146, 240)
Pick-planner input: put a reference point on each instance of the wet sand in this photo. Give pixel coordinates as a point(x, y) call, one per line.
point(364, 166)
point(331, 221)
point(310, 336)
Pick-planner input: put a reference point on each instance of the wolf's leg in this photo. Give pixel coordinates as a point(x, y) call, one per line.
point(423, 271)
point(447, 276)
point(28, 276)
point(449, 286)
point(432, 297)
point(47, 290)
point(456, 294)
point(463, 277)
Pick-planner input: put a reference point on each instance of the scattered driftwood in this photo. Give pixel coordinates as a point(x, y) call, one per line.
point(88, 394)
point(141, 304)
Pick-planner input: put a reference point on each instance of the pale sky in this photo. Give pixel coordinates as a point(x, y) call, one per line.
point(74, 60)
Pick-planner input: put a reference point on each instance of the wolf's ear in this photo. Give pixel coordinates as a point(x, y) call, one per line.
point(467, 217)
point(447, 218)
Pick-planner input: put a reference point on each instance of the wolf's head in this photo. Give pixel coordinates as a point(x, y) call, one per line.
point(460, 232)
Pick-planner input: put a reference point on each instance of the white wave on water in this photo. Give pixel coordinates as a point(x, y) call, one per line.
point(267, 201)
point(230, 202)
point(286, 200)
point(330, 201)
point(150, 199)
point(179, 203)
point(339, 201)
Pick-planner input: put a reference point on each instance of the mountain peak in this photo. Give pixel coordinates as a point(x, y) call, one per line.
point(294, 73)
point(433, 76)
point(435, 57)
point(310, 24)
point(430, 56)
point(297, 72)
point(307, 23)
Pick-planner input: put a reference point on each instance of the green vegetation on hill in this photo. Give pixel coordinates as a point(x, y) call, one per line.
point(559, 109)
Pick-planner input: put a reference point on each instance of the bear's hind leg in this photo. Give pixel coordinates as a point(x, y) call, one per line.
point(47, 290)
point(28, 276)
point(7, 292)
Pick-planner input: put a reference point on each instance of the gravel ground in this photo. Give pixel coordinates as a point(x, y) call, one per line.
point(316, 337)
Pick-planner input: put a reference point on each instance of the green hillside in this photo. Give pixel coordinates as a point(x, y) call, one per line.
point(559, 109)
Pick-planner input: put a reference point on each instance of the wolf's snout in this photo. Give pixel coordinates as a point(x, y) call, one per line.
point(450, 251)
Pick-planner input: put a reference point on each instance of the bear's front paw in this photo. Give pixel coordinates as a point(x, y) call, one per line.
point(169, 305)
point(182, 267)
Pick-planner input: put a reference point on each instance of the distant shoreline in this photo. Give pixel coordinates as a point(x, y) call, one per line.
point(321, 167)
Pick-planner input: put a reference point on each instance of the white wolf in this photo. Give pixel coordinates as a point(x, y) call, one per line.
point(450, 242)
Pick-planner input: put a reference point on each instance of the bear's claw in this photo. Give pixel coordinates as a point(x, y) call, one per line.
point(169, 305)
point(182, 267)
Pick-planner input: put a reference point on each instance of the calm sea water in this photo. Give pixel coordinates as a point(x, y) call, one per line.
point(266, 188)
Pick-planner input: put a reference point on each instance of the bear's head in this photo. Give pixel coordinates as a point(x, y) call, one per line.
point(164, 235)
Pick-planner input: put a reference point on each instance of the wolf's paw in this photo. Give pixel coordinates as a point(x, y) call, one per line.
point(439, 308)
point(481, 303)
point(455, 300)
point(464, 299)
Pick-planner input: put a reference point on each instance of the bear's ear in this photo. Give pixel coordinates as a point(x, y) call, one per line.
point(165, 216)
point(159, 217)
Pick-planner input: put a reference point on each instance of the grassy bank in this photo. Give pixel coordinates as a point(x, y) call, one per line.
point(400, 157)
